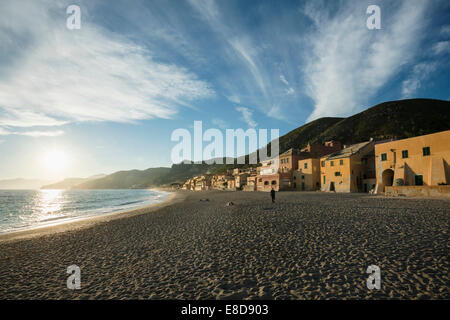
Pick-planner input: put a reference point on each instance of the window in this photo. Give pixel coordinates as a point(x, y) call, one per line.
point(295, 178)
point(323, 164)
point(341, 162)
point(404, 154)
point(287, 160)
point(282, 160)
point(383, 156)
point(306, 165)
point(332, 163)
point(274, 182)
point(324, 179)
point(418, 180)
point(364, 161)
point(426, 151)
point(303, 177)
point(266, 183)
point(337, 173)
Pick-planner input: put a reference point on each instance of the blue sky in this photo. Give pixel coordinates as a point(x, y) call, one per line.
point(110, 94)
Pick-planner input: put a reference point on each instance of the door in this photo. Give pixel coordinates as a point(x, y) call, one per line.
point(418, 180)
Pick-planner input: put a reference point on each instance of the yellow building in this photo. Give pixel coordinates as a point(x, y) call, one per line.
point(417, 161)
point(241, 180)
point(350, 169)
point(307, 176)
point(251, 183)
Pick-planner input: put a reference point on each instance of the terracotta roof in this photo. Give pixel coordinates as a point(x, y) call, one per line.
point(349, 151)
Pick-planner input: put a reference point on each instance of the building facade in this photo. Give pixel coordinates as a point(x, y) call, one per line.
point(267, 176)
point(307, 177)
point(417, 161)
point(284, 177)
point(350, 169)
point(251, 183)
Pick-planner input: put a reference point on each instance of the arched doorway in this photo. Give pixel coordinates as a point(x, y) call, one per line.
point(388, 177)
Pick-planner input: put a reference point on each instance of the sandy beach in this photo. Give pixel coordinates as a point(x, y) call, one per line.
point(308, 245)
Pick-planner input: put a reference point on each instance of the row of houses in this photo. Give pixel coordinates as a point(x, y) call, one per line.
point(235, 179)
point(369, 166)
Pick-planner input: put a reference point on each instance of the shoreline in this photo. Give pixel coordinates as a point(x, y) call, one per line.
point(87, 222)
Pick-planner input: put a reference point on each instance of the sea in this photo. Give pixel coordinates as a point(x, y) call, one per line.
point(29, 209)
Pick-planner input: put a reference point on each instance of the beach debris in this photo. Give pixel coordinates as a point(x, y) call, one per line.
point(229, 204)
point(206, 199)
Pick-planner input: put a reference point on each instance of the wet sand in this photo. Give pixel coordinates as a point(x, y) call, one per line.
point(305, 246)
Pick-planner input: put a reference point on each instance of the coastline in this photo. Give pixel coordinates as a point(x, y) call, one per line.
point(87, 222)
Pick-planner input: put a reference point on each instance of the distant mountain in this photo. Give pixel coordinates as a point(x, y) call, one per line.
point(394, 119)
point(69, 183)
point(23, 184)
point(133, 179)
point(153, 177)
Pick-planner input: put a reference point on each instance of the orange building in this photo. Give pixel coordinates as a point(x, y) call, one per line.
point(251, 183)
point(282, 177)
point(351, 169)
point(241, 180)
point(417, 161)
point(307, 177)
point(289, 160)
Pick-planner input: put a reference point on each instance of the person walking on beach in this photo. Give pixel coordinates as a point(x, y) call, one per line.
point(272, 194)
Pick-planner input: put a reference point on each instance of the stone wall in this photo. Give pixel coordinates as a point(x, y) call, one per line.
point(419, 191)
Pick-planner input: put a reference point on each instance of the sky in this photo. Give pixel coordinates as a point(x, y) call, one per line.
point(107, 96)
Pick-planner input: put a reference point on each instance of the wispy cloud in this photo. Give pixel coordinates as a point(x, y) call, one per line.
point(350, 63)
point(91, 74)
point(247, 116)
point(441, 47)
point(420, 73)
point(41, 133)
point(234, 99)
point(220, 123)
point(36, 133)
point(239, 49)
point(289, 89)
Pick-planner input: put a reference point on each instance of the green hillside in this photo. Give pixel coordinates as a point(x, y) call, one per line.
point(299, 138)
point(394, 119)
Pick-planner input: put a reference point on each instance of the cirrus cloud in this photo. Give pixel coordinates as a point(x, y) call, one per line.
point(350, 63)
point(247, 116)
point(53, 76)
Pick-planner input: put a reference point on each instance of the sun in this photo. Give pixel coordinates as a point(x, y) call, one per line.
point(55, 161)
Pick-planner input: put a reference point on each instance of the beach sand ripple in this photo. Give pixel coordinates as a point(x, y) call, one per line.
point(305, 246)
